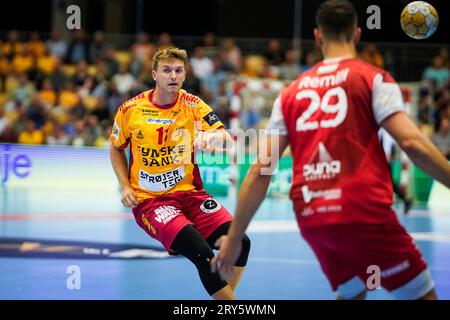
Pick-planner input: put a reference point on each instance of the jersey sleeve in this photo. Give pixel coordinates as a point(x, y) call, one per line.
point(209, 119)
point(387, 97)
point(120, 135)
point(276, 123)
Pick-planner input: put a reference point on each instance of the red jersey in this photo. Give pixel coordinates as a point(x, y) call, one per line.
point(331, 115)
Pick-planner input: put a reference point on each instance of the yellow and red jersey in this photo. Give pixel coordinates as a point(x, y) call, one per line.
point(161, 142)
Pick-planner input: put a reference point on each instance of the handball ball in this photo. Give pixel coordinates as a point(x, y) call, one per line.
point(419, 20)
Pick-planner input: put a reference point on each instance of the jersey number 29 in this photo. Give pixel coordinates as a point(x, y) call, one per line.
point(339, 108)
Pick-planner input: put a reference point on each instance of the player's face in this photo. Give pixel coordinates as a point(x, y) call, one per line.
point(170, 75)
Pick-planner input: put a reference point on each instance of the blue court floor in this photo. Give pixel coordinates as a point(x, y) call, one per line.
point(281, 265)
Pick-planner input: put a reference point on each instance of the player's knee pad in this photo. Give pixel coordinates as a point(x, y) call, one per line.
point(242, 259)
point(193, 246)
point(211, 281)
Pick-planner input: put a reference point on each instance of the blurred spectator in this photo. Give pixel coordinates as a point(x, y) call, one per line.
point(143, 49)
point(81, 73)
point(46, 63)
point(37, 111)
point(311, 58)
point(31, 135)
point(114, 100)
point(4, 121)
point(202, 66)
point(58, 78)
point(36, 45)
point(12, 46)
point(371, 55)
point(8, 134)
point(78, 48)
point(47, 93)
point(123, 80)
point(192, 84)
point(442, 138)
point(165, 41)
point(101, 111)
point(25, 89)
point(223, 111)
point(274, 53)
point(5, 69)
point(289, 69)
point(57, 46)
point(97, 49)
point(444, 54)
point(209, 44)
point(225, 63)
point(111, 62)
point(35, 75)
point(58, 137)
point(22, 62)
point(437, 72)
point(68, 98)
point(103, 140)
point(213, 81)
point(233, 54)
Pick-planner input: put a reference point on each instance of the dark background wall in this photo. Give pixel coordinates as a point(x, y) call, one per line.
point(237, 18)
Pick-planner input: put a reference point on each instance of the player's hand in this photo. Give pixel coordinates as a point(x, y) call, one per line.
point(205, 141)
point(129, 198)
point(229, 251)
point(213, 141)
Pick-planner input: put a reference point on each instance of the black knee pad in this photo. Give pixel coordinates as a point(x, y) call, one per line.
point(193, 246)
point(223, 230)
point(243, 257)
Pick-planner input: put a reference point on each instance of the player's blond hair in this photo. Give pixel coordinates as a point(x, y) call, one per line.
point(167, 54)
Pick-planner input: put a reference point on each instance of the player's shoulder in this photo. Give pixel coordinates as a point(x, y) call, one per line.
point(368, 70)
point(189, 99)
point(133, 102)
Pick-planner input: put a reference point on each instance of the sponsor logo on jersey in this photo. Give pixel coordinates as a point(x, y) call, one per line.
point(331, 80)
point(165, 214)
point(211, 118)
point(148, 224)
point(160, 121)
point(308, 211)
point(395, 269)
point(328, 194)
point(164, 156)
point(325, 167)
point(115, 130)
point(190, 100)
point(150, 112)
point(210, 205)
point(160, 181)
point(140, 135)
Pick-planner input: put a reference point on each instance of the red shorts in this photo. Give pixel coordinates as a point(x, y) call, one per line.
point(347, 252)
point(164, 216)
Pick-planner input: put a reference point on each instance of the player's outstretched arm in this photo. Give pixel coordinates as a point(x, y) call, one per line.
point(418, 147)
point(251, 194)
point(214, 140)
point(119, 164)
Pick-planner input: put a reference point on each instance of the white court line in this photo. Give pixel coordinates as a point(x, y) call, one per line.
point(431, 236)
point(288, 226)
point(273, 226)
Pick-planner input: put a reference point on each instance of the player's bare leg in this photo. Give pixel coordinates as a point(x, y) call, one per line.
point(234, 279)
point(429, 296)
point(224, 294)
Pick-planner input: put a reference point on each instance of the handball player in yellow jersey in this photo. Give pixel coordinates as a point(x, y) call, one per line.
point(163, 127)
